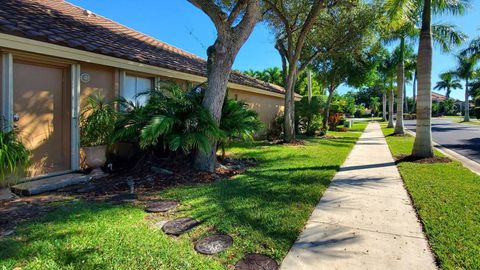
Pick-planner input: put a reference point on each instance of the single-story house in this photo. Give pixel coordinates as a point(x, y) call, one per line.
point(54, 54)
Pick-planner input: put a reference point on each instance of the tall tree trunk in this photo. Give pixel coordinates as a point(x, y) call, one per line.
point(326, 112)
point(466, 117)
point(423, 146)
point(219, 65)
point(390, 107)
point(384, 106)
point(405, 101)
point(448, 92)
point(400, 88)
point(414, 92)
point(289, 114)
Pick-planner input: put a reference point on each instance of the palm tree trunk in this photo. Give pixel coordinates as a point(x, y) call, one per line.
point(400, 84)
point(448, 92)
point(423, 146)
point(390, 106)
point(405, 101)
point(466, 117)
point(414, 90)
point(384, 106)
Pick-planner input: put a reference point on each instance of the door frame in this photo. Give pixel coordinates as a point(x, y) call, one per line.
point(7, 107)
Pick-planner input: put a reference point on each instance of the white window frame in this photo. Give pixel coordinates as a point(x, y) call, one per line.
point(7, 92)
point(123, 77)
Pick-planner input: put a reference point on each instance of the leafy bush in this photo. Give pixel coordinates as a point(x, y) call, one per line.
point(183, 125)
point(14, 157)
point(309, 114)
point(97, 122)
point(476, 110)
point(238, 122)
point(334, 120)
point(276, 128)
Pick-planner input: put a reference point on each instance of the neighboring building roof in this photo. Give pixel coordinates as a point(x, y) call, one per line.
point(438, 97)
point(62, 23)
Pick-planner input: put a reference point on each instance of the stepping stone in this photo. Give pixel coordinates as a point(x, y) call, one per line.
point(161, 206)
point(213, 244)
point(49, 184)
point(123, 198)
point(179, 225)
point(254, 261)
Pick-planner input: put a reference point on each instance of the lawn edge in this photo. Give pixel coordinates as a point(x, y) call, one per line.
point(412, 201)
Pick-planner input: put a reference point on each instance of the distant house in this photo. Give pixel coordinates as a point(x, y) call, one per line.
point(438, 97)
point(54, 54)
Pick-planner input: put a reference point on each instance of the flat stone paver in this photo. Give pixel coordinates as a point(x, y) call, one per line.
point(49, 184)
point(365, 219)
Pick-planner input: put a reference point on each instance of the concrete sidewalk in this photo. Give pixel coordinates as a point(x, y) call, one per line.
point(365, 219)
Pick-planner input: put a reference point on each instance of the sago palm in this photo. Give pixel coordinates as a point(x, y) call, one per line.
point(448, 82)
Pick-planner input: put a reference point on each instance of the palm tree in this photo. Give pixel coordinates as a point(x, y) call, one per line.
point(448, 82)
point(387, 71)
point(403, 17)
point(410, 75)
point(374, 105)
point(465, 71)
point(423, 146)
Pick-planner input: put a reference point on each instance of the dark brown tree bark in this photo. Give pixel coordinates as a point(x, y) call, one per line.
point(290, 48)
point(231, 35)
point(326, 112)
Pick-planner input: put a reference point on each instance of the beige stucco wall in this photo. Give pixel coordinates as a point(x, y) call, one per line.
point(103, 80)
point(267, 107)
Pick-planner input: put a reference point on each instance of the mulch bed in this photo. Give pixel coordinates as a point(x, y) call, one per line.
point(399, 135)
point(405, 158)
point(292, 143)
point(136, 184)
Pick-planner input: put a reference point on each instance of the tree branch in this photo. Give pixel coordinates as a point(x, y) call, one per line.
point(235, 11)
point(215, 13)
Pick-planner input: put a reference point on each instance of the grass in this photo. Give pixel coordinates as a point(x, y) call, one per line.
point(446, 196)
point(263, 209)
point(475, 123)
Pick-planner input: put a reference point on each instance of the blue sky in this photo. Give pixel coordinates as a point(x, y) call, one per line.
point(179, 23)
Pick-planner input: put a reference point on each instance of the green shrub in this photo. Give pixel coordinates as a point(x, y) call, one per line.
point(97, 122)
point(238, 122)
point(14, 157)
point(276, 128)
point(183, 125)
point(476, 110)
point(308, 114)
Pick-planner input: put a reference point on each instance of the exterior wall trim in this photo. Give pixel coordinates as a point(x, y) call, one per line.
point(75, 121)
point(24, 44)
point(7, 92)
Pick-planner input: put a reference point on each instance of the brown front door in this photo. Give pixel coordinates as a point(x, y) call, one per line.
point(42, 105)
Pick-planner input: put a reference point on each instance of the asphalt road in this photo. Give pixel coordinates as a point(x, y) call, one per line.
point(461, 138)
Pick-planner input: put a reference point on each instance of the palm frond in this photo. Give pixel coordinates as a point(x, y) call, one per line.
point(447, 36)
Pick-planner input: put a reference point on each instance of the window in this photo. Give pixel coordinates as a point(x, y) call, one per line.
point(133, 86)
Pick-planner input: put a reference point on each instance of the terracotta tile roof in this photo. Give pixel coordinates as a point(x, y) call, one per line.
point(62, 23)
point(438, 97)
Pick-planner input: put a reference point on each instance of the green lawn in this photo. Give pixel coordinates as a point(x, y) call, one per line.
point(447, 198)
point(263, 209)
point(470, 122)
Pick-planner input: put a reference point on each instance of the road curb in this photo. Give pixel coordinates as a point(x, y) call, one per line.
point(467, 163)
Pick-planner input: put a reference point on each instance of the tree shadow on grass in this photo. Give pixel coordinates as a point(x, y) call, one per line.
point(271, 204)
point(39, 237)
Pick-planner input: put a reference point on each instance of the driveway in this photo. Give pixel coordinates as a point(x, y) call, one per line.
point(461, 138)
